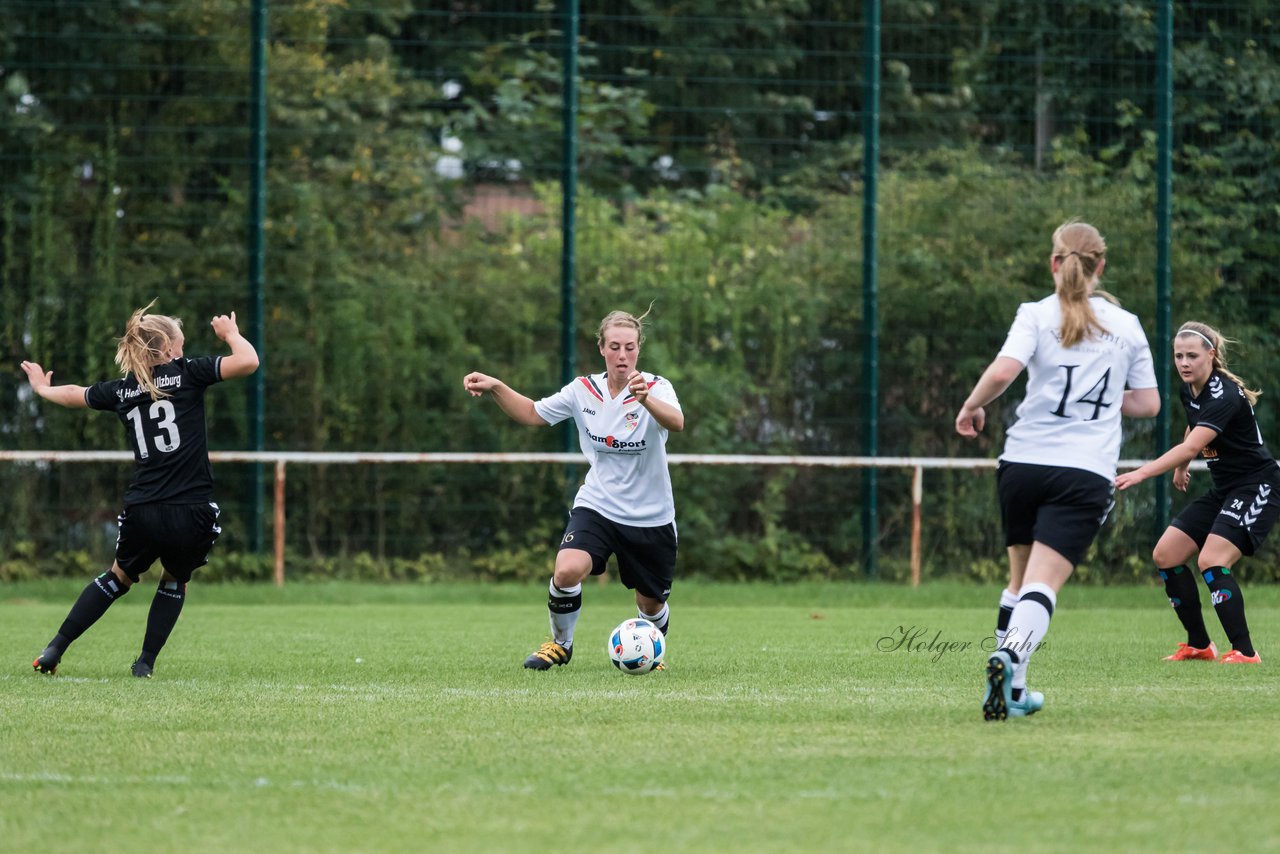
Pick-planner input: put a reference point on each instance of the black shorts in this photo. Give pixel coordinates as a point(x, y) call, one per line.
point(1242, 516)
point(646, 556)
point(1063, 508)
point(180, 536)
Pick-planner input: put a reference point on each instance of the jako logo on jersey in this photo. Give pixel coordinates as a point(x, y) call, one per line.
point(588, 411)
point(1220, 596)
point(614, 442)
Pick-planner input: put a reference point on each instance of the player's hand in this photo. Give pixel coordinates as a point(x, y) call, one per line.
point(476, 383)
point(225, 327)
point(638, 386)
point(1182, 478)
point(37, 376)
point(1129, 478)
point(969, 422)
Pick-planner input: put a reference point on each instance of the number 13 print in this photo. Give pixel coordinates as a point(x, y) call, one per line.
point(161, 414)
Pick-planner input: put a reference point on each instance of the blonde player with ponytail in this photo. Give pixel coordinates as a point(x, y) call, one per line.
point(1087, 363)
point(1233, 517)
point(625, 508)
point(169, 514)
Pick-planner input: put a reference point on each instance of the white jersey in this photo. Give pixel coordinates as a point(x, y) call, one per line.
point(628, 481)
point(1071, 413)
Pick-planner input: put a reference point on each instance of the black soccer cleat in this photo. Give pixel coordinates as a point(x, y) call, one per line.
point(550, 653)
point(47, 661)
point(999, 695)
point(141, 669)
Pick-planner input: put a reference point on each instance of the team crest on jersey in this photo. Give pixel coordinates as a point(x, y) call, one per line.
point(1215, 386)
point(633, 420)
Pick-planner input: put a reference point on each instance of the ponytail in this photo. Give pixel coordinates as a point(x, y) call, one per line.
point(1078, 250)
point(145, 344)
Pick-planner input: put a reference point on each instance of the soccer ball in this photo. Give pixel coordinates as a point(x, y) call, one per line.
point(636, 646)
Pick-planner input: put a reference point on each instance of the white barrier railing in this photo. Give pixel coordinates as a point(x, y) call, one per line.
point(281, 458)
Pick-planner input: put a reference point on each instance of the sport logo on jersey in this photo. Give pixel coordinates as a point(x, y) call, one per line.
point(615, 442)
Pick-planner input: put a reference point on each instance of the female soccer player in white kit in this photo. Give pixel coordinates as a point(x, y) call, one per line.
point(625, 505)
point(1055, 475)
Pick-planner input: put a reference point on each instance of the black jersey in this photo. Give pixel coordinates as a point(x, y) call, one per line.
point(170, 445)
point(1237, 455)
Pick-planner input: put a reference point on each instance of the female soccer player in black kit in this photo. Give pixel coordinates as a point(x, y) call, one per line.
point(1229, 520)
point(168, 512)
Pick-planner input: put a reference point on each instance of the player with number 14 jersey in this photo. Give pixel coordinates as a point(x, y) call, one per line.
point(1071, 410)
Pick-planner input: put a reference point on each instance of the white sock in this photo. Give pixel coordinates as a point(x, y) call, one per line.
point(1008, 599)
point(564, 606)
point(660, 619)
point(1028, 626)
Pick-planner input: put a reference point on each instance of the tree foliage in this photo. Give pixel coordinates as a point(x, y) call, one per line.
point(126, 178)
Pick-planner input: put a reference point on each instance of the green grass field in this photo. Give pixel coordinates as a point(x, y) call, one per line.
point(366, 718)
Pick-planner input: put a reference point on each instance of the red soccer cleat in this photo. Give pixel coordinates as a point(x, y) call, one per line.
point(1237, 657)
point(1186, 652)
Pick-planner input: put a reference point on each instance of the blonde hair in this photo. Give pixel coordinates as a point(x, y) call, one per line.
point(1079, 250)
point(625, 319)
point(1210, 337)
point(145, 344)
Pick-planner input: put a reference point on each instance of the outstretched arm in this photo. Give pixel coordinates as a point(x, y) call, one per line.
point(70, 396)
point(998, 376)
point(243, 359)
point(516, 405)
point(1177, 457)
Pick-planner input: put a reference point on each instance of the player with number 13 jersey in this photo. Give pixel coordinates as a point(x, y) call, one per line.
point(169, 514)
point(167, 435)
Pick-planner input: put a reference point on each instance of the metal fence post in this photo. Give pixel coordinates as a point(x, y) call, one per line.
point(870, 276)
point(569, 185)
point(1164, 220)
point(257, 253)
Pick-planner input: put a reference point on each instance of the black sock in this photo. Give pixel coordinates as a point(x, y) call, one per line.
point(94, 601)
point(1228, 602)
point(1184, 595)
point(1002, 620)
point(165, 608)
